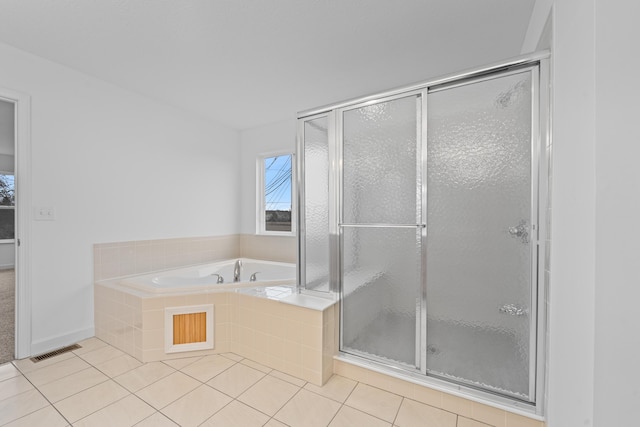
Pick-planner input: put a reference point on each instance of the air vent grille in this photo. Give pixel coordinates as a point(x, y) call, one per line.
point(53, 353)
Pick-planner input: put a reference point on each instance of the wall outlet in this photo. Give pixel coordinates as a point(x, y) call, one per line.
point(44, 213)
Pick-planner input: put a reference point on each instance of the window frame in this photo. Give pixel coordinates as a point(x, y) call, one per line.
point(260, 194)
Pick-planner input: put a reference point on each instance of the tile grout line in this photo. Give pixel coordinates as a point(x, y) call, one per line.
point(205, 382)
point(283, 405)
point(116, 382)
point(342, 404)
point(200, 383)
point(395, 418)
point(91, 365)
point(147, 385)
point(109, 378)
point(115, 401)
point(212, 415)
point(43, 396)
point(155, 412)
point(235, 399)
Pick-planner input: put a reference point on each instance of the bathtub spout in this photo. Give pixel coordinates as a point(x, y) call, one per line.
point(236, 271)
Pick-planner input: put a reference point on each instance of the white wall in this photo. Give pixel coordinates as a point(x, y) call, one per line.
point(572, 284)
point(593, 378)
point(116, 167)
point(617, 334)
point(273, 138)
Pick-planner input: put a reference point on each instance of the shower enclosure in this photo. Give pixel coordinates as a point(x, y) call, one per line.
point(424, 209)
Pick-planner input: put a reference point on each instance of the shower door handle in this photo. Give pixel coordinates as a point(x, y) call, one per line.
point(520, 231)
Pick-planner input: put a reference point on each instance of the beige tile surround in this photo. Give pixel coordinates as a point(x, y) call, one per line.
point(292, 339)
point(120, 259)
point(272, 248)
point(134, 323)
point(296, 341)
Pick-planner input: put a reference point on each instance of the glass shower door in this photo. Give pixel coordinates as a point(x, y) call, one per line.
point(381, 229)
point(481, 234)
point(422, 207)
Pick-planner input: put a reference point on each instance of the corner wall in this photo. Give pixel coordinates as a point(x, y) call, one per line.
point(573, 284)
point(115, 166)
point(617, 334)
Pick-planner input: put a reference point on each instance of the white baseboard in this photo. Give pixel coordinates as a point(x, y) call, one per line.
point(50, 344)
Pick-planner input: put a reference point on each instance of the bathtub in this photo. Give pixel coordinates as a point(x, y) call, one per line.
point(205, 277)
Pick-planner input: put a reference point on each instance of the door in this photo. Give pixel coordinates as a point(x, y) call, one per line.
point(381, 229)
point(482, 233)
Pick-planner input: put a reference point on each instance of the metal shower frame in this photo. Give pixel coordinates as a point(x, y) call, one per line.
point(539, 64)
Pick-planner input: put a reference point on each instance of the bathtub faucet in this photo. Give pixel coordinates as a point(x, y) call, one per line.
point(220, 278)
point(236, 271)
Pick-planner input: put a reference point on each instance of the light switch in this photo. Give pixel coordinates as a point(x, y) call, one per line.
point(44, 213)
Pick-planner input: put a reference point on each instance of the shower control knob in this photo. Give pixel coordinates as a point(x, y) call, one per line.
point(513, 310)
point(520, 231)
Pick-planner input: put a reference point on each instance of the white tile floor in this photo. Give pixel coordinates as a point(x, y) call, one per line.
point(99, 385)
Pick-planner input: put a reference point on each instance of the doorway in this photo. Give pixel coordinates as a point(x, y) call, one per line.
point(19, 104)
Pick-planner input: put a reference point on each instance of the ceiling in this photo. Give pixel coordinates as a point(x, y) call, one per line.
point(246, 63)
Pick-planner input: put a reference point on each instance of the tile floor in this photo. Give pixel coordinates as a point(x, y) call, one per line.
point(98, 385)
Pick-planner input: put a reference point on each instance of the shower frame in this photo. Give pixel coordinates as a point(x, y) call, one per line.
point(540, 156)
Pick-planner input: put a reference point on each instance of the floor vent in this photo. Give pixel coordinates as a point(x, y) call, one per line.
point(45, 356)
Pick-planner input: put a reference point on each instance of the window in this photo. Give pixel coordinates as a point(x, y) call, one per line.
point(275, 185)
point(7, 206)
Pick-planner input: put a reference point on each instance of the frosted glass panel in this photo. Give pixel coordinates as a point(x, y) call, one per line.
point(379, 149)
point(316, 204)
point(381, 287)
point(478, 238)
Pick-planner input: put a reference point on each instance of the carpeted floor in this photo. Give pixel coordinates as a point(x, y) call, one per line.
point(7, 315)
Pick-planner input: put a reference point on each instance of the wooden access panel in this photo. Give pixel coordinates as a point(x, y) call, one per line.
point(189, 328)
